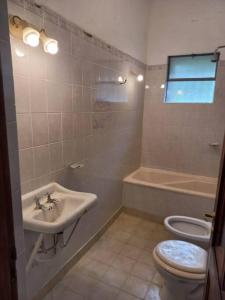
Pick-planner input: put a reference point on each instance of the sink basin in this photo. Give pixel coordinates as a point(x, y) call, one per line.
point(55, 217)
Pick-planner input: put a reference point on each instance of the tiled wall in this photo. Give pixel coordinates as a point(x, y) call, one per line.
point(6, 69)
point(66, 114)
point(177, 136)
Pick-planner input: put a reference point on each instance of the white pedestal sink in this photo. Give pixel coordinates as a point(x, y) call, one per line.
point(55, 217)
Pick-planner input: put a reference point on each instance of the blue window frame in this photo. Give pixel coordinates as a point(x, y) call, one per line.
point(191, 78)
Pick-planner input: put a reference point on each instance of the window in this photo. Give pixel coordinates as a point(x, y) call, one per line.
point(191, 79)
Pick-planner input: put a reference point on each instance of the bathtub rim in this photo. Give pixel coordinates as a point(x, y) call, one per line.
point(130, 180)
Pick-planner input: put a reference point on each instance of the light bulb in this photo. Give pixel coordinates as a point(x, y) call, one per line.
point(140, 77)
point(51, 46)
point(31, 36)
point(162, 86)
point(147, 86)
point(120, 79)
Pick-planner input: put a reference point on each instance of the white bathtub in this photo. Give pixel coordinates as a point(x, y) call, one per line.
point(160, 193)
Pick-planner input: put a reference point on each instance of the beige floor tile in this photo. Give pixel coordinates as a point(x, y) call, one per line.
point(146, 257)
point(150, 244)
point(130, 228)
point(145, 229)
point(157, 279)
point(111, 244)
point(116, 226)
point(159, 227)
point(67, 295)
point(123, 263)
point(115, 277)
point(126, 296)
point(127, 227)
point(121, 236)
point(95, 269)
point(103, 291)
point(153, 293)
point(158, 236)
point(143, 271)
point(167, 235)
point(143, 234)
point(60, 292)
point(148, 225)
point(126, 224)
point(137, 242)
point(84, 261)
point(102, 255)
point(119, 266)
point(136, 286)
point(128, 219)
point(80, 283)
point(130, 251)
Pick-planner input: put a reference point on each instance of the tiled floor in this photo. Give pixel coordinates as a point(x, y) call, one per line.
point(118, 267)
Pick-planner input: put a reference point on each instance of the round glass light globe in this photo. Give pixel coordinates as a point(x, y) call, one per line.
point(140, 77)
point(52, 47)
point(31, 37)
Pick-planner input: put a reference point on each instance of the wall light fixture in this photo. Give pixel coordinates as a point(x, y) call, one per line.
point(121, 80)
point(31, 36)
point(20, 29)
point(50, 45)
point(140, 77)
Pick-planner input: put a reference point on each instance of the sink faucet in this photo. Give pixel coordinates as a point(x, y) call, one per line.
point(38, 204)
point(49, 199)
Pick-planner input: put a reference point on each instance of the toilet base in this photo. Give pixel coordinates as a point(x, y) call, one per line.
point(184, 292)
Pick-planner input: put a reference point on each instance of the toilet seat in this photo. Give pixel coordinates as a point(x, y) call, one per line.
point(181, 259)
point(189, 228)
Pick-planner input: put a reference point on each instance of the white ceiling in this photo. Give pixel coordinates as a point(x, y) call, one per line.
point(149, 30)
point(121, 23)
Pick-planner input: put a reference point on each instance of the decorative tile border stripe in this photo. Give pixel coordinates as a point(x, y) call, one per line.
point(221, 63)
point(156, 67)
point(164, 66)
point(48, 14)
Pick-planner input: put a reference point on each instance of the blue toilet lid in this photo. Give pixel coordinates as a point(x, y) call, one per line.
point(182, 255)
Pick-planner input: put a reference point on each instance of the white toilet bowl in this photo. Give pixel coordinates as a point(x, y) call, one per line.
point(193, 230)
point(183, 268)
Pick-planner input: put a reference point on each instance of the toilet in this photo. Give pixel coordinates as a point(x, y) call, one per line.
point(182, 265)
point(189, 229)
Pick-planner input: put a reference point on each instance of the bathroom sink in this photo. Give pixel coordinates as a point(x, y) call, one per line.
point(54, 217)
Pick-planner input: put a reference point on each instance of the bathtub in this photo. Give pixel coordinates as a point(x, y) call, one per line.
point(160, 193)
